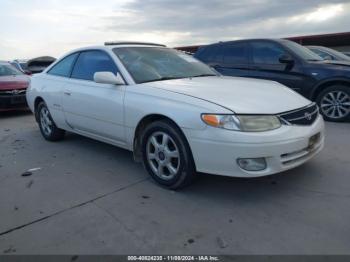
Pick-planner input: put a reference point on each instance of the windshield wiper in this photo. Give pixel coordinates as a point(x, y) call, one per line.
point(202, 75)
point(163, 79)
point(176, 77)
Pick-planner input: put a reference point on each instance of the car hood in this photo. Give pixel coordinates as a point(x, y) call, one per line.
point(14, 82)
point(335, 62)
point(240, 95)
point(340, 66)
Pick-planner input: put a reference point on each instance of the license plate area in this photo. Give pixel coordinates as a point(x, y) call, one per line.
point(313, 141)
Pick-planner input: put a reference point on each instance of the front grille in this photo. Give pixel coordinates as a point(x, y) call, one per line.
point(12, 92)
point(13, 101)
point(304, 116)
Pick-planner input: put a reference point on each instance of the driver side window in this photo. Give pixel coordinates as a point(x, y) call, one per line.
point(266, 53)
point(90, 62)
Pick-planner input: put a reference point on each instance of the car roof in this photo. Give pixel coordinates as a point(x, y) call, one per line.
point(318, 47)
point(250, 40)
point(106, 46)
point(113, 45)
point(123, 43)
point(20, 60)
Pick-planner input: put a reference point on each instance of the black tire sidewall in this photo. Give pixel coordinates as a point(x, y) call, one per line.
point(342, 88)
point(186, 171)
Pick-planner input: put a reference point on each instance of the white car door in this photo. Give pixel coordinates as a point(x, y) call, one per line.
point(92, 108)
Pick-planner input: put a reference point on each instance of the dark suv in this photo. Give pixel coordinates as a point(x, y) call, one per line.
point(289, 63)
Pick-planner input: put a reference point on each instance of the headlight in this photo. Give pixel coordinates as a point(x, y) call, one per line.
point(247, 123)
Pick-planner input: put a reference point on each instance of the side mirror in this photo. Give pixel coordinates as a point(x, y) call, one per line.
point(108, 78)
point(286, 59)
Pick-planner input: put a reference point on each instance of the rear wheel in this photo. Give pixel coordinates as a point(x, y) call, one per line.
point(47, 126)
point(334, 103)
point(167, 156)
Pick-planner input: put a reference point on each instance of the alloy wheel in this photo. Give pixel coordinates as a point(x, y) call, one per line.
point(46, 123)
point(335, 104)
point(163, 155)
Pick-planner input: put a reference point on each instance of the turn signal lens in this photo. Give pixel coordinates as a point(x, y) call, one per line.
point(222, 121)
point(211, 120)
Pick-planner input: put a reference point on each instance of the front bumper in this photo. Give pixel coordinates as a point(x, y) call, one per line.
point(12, 102)
point(216, 151)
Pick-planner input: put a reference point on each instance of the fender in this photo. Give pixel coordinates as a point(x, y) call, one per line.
point(325, 81)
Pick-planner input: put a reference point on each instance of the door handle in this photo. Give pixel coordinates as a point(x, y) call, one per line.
point(67, 93)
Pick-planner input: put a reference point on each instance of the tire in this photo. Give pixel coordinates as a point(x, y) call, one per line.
point(47, 126)
point(334, 103)
point(167, 156)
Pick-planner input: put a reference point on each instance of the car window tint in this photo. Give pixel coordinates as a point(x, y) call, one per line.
point(90, 62)
point(202, 53)
point(217, 54)
point(266, 53)
point(210, 54)
point(64, 67)
point(322, 54)
point(236, 54)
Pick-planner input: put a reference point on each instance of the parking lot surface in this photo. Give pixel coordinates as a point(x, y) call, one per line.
point(87, 197)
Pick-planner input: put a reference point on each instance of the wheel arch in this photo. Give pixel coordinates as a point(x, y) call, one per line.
point(327, 83)
point(146, 120)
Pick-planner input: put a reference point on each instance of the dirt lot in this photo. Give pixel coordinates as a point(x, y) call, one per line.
point(91, 198)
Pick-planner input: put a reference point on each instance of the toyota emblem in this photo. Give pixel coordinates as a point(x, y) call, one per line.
point(15, 92)
point(308, 116)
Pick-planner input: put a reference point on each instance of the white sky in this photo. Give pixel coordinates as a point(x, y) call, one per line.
point(32, 28)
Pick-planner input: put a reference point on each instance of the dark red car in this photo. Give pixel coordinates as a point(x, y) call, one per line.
point(13, 85)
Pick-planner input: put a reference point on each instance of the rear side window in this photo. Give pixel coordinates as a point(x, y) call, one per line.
point(209, 54)
point(235, 53)
point(266, 53)
point(225, 53)
point(202, 53)
point(90, 62)
point(64, 67)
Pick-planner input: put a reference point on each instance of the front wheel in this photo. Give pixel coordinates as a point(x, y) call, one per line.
point(334, 103)
point(47, 126)
point(167, 156)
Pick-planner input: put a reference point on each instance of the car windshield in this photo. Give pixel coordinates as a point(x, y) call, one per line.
point(302, 52)
point(335, 53)
point(24, 66)
point(8, 70)
point(148, 64)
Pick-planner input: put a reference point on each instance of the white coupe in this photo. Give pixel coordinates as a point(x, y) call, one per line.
point(175, 113)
